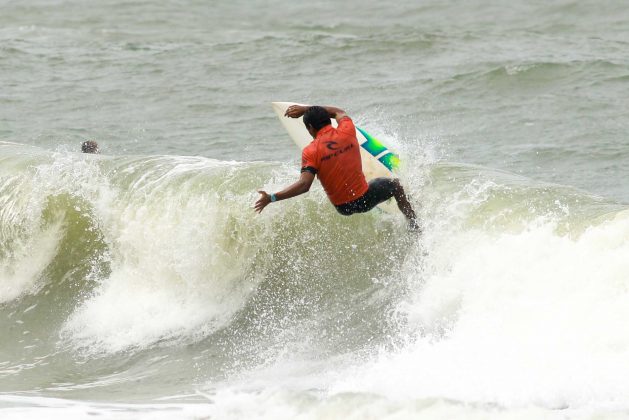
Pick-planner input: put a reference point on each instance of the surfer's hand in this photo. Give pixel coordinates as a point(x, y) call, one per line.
point(262, 202)
point(296, 111)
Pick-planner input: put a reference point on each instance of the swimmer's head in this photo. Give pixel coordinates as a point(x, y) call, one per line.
point(89, 146)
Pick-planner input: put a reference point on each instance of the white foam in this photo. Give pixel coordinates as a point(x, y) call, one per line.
point(29, 243)
point(515, 319)
point(178, 267)
point(20, 273)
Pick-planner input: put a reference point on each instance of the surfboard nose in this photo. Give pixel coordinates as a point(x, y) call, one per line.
point(280, 107)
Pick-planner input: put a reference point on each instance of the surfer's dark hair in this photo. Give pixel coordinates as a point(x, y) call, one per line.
point(316, 117)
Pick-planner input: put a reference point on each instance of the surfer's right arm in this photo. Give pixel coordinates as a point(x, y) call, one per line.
point(293, 190)
point(296, 111)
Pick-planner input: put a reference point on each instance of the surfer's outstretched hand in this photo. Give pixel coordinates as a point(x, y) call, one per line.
point(296, 111)
point(262, 202)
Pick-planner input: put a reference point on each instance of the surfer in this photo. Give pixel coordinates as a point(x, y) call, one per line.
point(334, 156)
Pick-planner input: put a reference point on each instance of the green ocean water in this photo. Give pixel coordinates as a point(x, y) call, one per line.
point(139, 283)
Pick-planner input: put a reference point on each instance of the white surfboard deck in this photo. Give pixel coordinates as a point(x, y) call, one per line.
point(377, 159)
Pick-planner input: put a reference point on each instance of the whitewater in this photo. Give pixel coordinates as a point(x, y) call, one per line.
point(144, 279)
point(140, 283)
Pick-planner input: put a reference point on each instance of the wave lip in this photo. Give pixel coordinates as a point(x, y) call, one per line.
point(151, 243)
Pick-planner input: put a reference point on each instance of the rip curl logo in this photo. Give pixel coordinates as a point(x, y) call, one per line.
point(332, 145)
point(337, 152)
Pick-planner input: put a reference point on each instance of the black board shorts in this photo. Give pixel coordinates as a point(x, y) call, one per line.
point(380, 190)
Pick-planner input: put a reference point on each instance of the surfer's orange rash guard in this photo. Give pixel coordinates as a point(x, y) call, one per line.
point(334, 156)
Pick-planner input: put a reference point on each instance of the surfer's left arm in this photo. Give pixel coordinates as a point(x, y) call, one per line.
point(293, 190)
point(296, 111)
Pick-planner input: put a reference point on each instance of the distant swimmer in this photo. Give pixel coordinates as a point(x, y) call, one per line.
point(334, 156)
point(89, 146)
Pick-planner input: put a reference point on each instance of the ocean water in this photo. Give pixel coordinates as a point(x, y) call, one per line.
point(139, 283)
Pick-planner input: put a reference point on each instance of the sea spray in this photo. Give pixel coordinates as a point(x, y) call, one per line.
point(515, 288)
point(529, 312)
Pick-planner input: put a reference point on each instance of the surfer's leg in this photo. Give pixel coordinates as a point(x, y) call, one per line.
point(404, 205)
point(380, 190)
point(353, 207)
point(344, 210)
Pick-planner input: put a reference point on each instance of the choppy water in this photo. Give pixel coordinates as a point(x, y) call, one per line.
point(139, 282)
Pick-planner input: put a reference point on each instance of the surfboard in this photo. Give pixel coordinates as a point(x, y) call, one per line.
point(377, 159)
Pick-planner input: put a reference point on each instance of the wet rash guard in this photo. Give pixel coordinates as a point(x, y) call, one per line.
point(334, 156)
